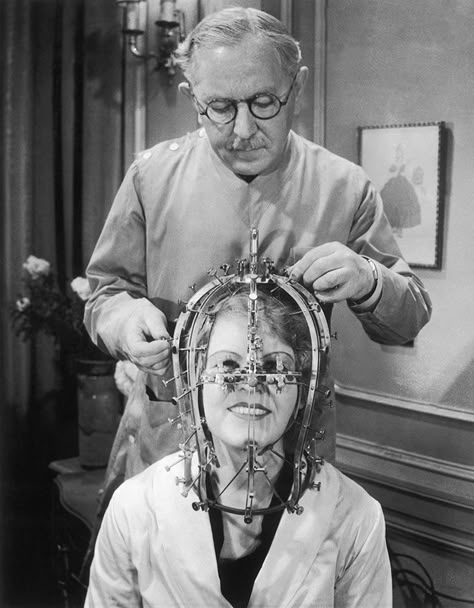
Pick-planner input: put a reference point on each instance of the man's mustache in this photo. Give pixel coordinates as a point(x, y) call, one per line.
point(244, 145)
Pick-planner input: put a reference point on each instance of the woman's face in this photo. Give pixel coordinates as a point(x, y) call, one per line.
point(260, 413)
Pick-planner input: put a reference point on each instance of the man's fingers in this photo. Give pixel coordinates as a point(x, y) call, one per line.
point(330, 280)
point(318, 260)
point(331, 296)
point(151, 357)
point(297, 271)
point(155, 348)
point(150, 360)
point(153, 363)
point(156, 370)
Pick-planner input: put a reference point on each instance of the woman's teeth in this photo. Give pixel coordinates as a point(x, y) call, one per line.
point(252, 410)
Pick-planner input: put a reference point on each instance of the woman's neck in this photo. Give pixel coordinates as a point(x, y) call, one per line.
point(230, 480)
point(230, 487)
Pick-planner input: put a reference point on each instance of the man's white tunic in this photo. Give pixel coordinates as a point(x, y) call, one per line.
point(180, 211)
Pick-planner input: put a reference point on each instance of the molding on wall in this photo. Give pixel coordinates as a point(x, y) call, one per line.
point(424, 498)
point(140, 110)
point(286, 12)
point(320, 33)
point(425, 476)
point(135, 99)
point(431, 409)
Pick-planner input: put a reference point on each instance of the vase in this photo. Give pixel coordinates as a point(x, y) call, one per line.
point(98, 405)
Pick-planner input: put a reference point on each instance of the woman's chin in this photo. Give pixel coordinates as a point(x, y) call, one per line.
point(239, 441)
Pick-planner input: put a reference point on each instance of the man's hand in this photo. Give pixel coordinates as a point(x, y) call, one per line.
point(144, 339)
point(334, 272)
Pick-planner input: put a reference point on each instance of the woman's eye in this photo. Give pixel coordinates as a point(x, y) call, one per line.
point(223, 362)
point(230, 365)
point(270, 367)
point(278, 364)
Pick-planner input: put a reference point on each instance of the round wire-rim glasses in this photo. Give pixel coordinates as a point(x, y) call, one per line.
point(262, 106)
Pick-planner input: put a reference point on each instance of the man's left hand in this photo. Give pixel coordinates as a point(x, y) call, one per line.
point(334, 272)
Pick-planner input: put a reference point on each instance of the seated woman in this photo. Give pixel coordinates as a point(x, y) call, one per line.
point(245, 514)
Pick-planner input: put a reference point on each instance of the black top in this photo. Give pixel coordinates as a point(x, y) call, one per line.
point(246, 178)
point(238, 576)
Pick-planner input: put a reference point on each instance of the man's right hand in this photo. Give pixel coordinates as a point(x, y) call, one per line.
point(144, 339)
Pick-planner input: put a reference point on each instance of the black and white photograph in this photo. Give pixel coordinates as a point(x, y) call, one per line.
point(237, 349)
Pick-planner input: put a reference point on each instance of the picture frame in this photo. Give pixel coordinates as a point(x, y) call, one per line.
point(406, 164)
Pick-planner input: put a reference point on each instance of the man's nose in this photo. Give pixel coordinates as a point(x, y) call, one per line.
point(245, 124)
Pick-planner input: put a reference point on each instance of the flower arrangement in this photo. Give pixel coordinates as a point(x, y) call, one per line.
point(44, 307)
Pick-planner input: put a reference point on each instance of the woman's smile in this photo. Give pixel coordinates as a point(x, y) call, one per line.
point(245, 409)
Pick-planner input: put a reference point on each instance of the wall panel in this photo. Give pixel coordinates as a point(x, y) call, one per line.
point(405, 414)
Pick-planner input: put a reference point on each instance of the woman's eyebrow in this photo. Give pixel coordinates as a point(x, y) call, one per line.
point(224, 353)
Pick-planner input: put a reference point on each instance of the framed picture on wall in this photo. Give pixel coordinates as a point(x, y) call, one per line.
point(405, 163)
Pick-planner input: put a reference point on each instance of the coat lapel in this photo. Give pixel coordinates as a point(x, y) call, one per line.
point(190, 574)
point(296, 545)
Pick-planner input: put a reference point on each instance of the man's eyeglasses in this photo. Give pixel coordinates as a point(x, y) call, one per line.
point(263, 106)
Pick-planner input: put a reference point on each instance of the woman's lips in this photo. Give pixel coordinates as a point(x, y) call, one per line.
point(254, 410)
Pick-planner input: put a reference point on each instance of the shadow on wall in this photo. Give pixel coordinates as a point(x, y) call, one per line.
point(461, 385)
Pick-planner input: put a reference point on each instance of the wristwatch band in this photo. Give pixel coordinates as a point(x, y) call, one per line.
point(375, 275)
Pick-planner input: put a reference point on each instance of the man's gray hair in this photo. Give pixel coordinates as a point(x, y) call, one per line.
point(230, 26)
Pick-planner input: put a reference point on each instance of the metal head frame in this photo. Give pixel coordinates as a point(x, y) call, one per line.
point(189, 364)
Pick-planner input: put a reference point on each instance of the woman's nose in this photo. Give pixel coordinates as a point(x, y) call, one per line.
point(245, 124)
point(254, 383)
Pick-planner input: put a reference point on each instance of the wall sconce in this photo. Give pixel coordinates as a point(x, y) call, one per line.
point(170, 32)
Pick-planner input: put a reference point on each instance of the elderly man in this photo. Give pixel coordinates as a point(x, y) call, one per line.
point(187, 205)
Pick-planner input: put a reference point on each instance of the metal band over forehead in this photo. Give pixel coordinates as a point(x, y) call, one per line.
point(189, 365)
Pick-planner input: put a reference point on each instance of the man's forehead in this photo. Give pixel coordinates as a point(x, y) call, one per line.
point(240, 69)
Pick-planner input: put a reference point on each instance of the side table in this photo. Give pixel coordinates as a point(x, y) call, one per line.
point(75, 500)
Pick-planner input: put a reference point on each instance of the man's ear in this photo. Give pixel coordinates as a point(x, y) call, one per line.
point(299, 86)
point(185, 89)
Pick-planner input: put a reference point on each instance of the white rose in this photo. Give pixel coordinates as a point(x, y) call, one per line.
point(22, 304)
point(80, 285)
point(36, 266)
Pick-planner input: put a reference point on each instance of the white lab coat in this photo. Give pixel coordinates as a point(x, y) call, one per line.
point(153, 550)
